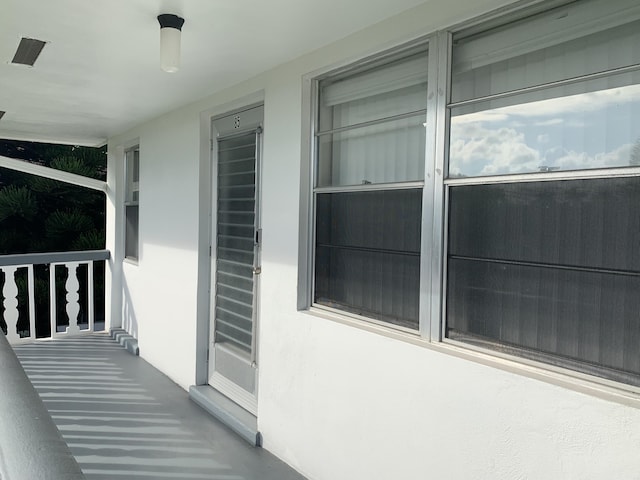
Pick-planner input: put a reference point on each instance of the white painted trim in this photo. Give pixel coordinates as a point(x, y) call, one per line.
point(114, 238)
point(24, 259)
point(255, 125)
point(206, 220)
point(52, 173)
point(242, 103)
point(306, 213)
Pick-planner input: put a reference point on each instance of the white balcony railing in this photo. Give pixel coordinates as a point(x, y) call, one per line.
point(52, 294)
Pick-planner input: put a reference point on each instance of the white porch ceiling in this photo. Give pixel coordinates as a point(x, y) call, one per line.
point(99, 73)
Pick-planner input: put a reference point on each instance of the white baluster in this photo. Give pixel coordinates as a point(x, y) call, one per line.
point(32, 302)
point(10, 293)
point(52, 300)
point(90, 297)
point(73, 306)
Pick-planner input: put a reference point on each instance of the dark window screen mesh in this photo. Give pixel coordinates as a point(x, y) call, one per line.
point(131, 231)
point(368, 253)
point(551, 267)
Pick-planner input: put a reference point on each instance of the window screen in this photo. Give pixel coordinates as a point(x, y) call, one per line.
point(368, 253)
point(550, 266)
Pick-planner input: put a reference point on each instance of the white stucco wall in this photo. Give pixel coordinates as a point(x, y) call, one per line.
point(336, 401)
point(159, 291)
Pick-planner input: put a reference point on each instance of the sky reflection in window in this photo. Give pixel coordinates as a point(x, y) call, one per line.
point(598, 129)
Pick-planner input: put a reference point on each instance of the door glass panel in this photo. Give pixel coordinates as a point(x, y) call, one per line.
point(235, 246)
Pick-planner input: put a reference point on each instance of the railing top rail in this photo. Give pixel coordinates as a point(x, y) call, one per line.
point(54, 257)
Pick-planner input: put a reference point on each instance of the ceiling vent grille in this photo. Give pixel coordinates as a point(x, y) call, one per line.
point(28, 51)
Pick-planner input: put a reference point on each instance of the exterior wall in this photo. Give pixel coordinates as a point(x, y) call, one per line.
point(337, 401)
point(158, 293)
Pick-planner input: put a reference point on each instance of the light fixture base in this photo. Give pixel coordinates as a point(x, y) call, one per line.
point(170, 33)
point(168, 20)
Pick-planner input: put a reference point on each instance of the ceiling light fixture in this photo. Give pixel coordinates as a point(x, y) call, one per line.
point(170, 31)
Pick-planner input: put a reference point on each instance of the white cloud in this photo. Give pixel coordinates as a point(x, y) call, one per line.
point(549, 123)
point(578, 160)
point(482, 151)
point(478, 150)
point(590, 130)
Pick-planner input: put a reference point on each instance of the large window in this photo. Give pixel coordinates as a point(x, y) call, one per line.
point(548, 269)
point(370, 141)
point(517, 230)
point(132, 198)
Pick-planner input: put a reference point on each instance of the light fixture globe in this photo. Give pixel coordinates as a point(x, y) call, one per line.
point(170, 32)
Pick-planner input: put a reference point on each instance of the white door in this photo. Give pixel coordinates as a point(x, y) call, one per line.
point(235, 255)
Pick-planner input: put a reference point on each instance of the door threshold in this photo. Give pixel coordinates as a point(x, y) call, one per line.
point(244, 423)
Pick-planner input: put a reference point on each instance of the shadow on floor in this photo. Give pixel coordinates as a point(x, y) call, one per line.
point(122, 418)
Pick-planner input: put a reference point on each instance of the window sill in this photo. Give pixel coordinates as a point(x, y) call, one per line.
point(578, 382)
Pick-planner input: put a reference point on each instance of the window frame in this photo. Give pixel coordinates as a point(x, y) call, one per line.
point(521, 354)
point(309, 190)
point(131, 164)
point(435, 209)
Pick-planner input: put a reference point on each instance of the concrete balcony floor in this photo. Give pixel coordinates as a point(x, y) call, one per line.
point(123, 419)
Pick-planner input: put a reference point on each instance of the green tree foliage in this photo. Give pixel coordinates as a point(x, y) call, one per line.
point(38, 214)
point(42, 215)
point(18, 209)
point(91, 162)
point(17, 203)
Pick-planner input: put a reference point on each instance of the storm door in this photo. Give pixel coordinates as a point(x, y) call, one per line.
point(235, 256)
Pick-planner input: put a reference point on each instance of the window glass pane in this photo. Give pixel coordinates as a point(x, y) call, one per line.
point(546, 131)
point(582, 223)
point(376, 93)
point(132, 169)
point(136, 167)
point(393, 151)
point(368, 253)
point(571, 41)
point(131, 231)
point(553, 267)
point(361, 140)
point(132, 197)
point(398, 102)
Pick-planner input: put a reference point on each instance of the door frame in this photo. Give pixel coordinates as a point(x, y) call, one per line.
point(221, 383)
point(203, 184)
